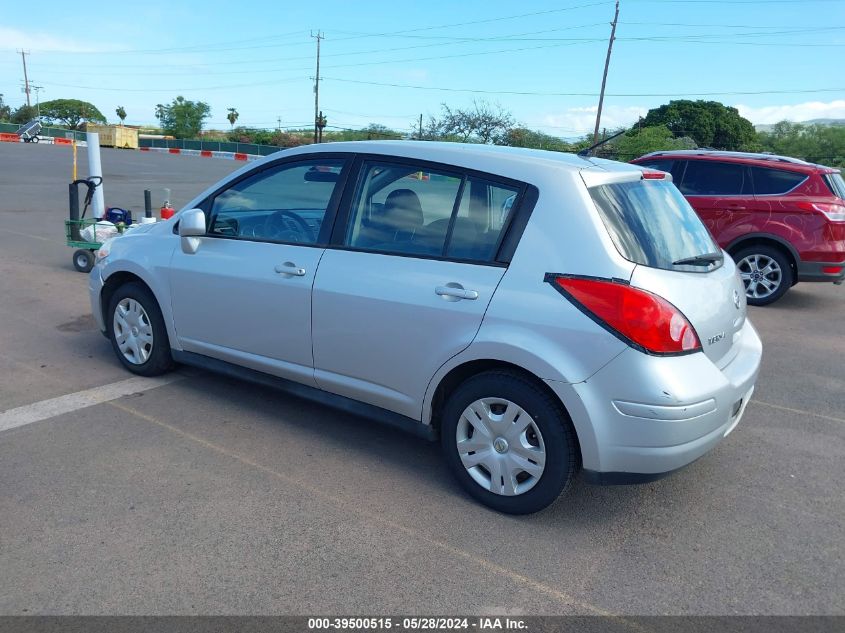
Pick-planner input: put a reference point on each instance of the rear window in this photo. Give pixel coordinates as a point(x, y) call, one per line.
point(836, 184)
point(770, 182)
point(652, 224)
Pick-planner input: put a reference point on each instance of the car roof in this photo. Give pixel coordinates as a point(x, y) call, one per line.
point(755, 158)
point(471, 155)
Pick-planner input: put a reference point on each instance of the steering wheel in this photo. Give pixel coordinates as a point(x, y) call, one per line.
point(288, 227)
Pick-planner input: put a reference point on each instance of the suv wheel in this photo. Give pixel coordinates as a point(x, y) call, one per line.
point(137, 332)
point(766, 273)
point(509, 443)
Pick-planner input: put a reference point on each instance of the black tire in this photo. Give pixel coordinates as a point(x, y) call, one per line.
point(785, 278)
point(83, 260)
point(551, 420)
point(159, 361)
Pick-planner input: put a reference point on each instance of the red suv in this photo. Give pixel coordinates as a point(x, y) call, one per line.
point(781, 219)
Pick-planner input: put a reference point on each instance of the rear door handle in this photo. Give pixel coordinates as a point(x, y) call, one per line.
point(291, 269)
point(455, 292)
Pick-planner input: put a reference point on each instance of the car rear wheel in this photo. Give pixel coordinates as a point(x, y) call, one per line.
point(137, 332)
point(509, 442)
point(766, 273)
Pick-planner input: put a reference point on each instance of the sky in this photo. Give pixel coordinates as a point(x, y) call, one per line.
point(388, 62)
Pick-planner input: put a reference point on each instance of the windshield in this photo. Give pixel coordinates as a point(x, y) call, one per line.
point(652, 224)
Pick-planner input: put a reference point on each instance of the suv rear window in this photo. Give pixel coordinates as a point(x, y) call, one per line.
point(652, 224)
point(770, 182)
point(835, 183)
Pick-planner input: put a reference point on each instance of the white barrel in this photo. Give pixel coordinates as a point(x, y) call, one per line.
point(98, 205)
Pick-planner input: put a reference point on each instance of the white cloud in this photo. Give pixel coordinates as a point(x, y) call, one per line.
point(581, 120)
point(797, 112)
point(46, 43)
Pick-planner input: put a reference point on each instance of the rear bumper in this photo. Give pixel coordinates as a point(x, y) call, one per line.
point(642, 417)
point(816, 271)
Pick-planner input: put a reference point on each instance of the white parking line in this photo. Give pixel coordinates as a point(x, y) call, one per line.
point(46, 409)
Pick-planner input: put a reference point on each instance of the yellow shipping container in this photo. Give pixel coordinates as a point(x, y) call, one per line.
point(115, 135)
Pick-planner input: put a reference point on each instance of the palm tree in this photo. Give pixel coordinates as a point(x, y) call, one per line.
point(121, 113)
point(232, 116)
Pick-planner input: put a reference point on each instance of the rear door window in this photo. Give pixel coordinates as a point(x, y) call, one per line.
point(713, 178)
point(652, 224)
point(411, 209)
point(770, 182)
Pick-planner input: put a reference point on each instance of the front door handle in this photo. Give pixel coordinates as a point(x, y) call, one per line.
point(455, 292)
point(291, 269)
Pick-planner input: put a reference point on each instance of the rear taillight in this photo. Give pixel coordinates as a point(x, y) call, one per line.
point(640, 318)
point(834, 212)
point(653, 175)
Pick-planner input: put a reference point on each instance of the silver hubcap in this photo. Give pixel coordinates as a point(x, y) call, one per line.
point(500, 446)
point(761, 275)
point(133, 331)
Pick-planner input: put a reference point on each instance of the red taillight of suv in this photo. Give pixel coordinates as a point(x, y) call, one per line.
point(832, 211)
point(642, 319)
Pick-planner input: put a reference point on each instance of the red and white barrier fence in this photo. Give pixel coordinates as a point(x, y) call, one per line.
point(11, 137)
point(205, 153)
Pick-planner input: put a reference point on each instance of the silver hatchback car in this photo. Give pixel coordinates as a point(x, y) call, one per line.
point(538, 312)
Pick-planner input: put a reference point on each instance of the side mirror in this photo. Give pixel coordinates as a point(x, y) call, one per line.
point(191, 228)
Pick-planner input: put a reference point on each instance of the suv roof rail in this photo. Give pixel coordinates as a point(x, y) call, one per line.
point(709, 151)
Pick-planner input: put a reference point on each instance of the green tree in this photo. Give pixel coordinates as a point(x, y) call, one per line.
point(823, 144)
point(120, 111)
point(71, 112)
point(5, 110)
point(482, 123)
point(710, 123)
point(24, 114)
point(641, 141)
point(232, 116)
point(183, 118)
point(523, 137)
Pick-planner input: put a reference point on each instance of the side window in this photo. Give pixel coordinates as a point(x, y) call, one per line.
point(482, 216)
point(286, 203)
point(405, 210)
point(711, 178)
point(768, 182)
point(402, 209)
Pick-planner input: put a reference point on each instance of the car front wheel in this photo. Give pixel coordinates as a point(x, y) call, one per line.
point(509, 442)
point(137, 332)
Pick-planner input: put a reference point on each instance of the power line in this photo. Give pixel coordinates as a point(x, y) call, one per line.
point(485, 21)
point(356, 36)
point(586, 94)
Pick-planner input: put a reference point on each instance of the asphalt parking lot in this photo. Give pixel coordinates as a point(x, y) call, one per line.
point(207, 495)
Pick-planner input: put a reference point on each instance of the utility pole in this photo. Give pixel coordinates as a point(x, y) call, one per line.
point(421, 127)
point(278, 124)
point(604, 77)
point(318, 37)
point(25, 77)
point(38, 90)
